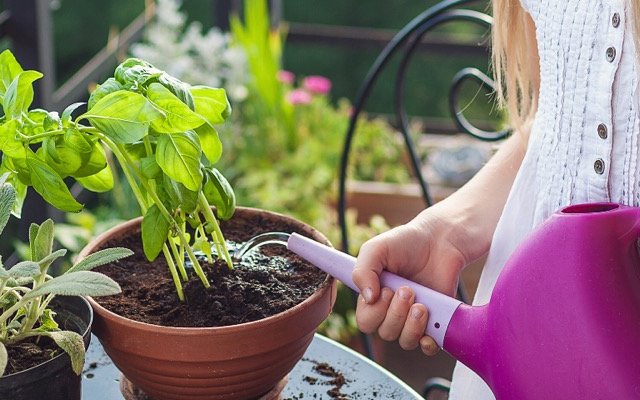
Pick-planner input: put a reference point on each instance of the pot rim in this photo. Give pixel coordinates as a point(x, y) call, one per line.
point(85, 332)
point(327, 284)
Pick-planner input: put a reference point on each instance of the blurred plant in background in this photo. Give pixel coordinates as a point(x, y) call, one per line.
point(189, 54)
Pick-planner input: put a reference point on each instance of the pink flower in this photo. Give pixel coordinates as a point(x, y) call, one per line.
point(286, 77)
point(298, 96)
point(317, 84)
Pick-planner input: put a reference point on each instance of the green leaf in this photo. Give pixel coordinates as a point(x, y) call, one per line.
point(66, 114)
point(9, 70)
point(219, 193)
point(47, 323)
point(177, 87)
point(155, 229)
point(19, 94)
point(150, 168)
point(24, 269)
point(189, 199)
point(7, 200)
point(101, 257)
point(4, 357)
point(179, 157)
point(109, 86)
point(48, 260)
point(21, 194)
point(34, 125)
point(211, 103)
point(77, 141)
point(94, 163)
point(9, 143)
point(178, 116)
point(73, 345)
point(43, 243)
point(210, 142)
point(50, 185)
point(81, 283)
point(51, 121)
point(123, 116)
point(33, 232)
point(99, 182)
point(62, 159)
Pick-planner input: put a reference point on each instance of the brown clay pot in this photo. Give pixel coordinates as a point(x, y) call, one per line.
point(232, 362)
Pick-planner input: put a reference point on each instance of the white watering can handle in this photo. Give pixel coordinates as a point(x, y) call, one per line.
point(340, 265)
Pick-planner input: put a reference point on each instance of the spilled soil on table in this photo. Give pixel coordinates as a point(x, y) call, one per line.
point(266, 282)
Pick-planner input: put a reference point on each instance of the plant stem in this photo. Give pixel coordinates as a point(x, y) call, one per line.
point(172, 270)
point(179, 256)
point(210, 218)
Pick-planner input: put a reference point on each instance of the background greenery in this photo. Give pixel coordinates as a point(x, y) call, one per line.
point(82, 27)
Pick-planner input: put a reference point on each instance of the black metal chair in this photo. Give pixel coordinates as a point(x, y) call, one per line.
point(404, 46)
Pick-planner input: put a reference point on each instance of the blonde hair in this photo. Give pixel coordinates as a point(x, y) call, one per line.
point(515, 58)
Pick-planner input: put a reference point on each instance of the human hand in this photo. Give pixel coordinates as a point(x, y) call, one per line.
point(427, 251)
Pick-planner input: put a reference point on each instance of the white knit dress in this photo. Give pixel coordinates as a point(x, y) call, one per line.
point(584, 141)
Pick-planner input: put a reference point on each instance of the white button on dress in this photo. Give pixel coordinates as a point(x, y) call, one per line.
point(584, 140)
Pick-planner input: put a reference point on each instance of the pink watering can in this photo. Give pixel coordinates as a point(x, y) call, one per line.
point(563, 321)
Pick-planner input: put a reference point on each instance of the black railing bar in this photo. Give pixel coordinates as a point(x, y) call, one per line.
point(401, 113)
point(75, 88)
point(337, 35)
point(435, 125)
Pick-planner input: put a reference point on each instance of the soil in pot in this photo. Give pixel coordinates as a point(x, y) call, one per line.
point(29, 353)
point(266, 282)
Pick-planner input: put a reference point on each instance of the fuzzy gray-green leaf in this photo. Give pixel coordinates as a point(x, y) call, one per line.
point(81, 283)
point(4, 358)
point(43, 244)
point(24, 269)
point(48, 260)
point(7, 199)
point(101, 257)
point(73, 345)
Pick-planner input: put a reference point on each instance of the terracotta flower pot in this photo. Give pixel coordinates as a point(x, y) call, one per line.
point(241, 361)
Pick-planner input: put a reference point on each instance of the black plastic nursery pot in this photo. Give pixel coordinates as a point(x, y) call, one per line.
point(54, 379)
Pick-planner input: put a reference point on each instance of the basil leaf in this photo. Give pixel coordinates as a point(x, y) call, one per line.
point(219, 193)
point(123, 116)
point(19, 94)
point(211, 103)
point(51, 121)
point(99, 182)
point(9, 144)
point(179, 157)
point(9, 70)
point(95, 162)
point(34, 125)
point(62, 159)
point(50, 185)
point(109, 86)
point(210, 142)
point(178, 88)
point(66, 114)
point(155, 229)
point(149, 167)
point(178, 116)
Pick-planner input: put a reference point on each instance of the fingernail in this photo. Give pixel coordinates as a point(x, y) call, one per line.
point(367, 293)
point(404, 293)
point(416, 313)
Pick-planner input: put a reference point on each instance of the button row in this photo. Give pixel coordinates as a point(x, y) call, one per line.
point(610, 53)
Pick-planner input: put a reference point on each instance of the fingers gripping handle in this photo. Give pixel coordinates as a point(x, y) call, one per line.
point(341, 265)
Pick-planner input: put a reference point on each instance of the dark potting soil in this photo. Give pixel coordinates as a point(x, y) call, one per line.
point(29, 353)
point(266, 282)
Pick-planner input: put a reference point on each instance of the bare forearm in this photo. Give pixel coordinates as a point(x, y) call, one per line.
point(476, 207)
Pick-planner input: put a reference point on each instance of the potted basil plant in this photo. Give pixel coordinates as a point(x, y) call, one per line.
point(191, 322)
point(44, 325)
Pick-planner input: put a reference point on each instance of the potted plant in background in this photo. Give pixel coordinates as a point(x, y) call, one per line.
point(44, 325)
point(161, 133)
